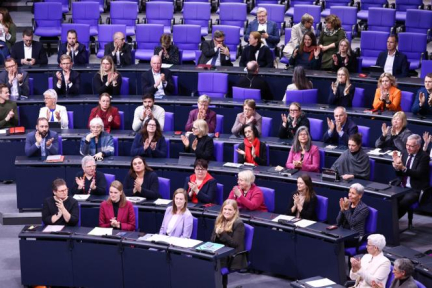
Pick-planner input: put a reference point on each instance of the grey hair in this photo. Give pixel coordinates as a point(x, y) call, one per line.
point(378, 241)
point(204, 98)
point(87, 159)
point(405, 264)
point(247, 175)
point(96, 121)
point(52, 93)
point(296, 145)
point(342, 108)
point(358, 187)
point(261, 9)
point(415, 137)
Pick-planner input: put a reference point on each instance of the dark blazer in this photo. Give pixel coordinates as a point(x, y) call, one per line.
point(173, 54)
point(99, 86)
point(126, 216)
point(207, 48)
point(272, 31)
point(349, 128)
point(265, 57)
point(340, 99)
point(354, 220)
point(149, 188)
point(253, 81)
point(74, 78)
point(207, 193)
point(79, 59)
point(101, 184)
point(261, 160)
point(309, 207)
point(32, 150)
point(419, 173)
point(38, 52)
point(148, 82)
point(49, 208)
point(138, 148)
point(351, 65)
point(400, 64)
point(204, 149)
point(23, 89)
point(125, 54)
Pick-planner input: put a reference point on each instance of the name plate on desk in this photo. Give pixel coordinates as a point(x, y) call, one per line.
point(329, 175)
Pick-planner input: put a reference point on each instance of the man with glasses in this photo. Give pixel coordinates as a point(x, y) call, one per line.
point(15, 79)
point(119, 50)
point(215, 52)
point(42, 142)
point(8, 109)
point(29, 52)
point(202, 112)
point(147, 111)
point(66, 81)
point(297, 33)
point(339, 129)
point(253, 81)
point(74, 49)
point(268, 29)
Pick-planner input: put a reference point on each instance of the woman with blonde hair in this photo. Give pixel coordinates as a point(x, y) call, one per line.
point(387, 96)
point(198, 141)
point(108, 79)
point(394, 137)
point(344, 57)
point(342, 91)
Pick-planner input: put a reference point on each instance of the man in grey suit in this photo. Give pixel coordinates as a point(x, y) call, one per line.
point(15, 79)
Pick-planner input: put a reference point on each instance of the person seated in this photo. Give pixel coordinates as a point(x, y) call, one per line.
point(307, 54)
point(141, 180)
point(119, 50)
point(303, 155)
point(201, 186)
point(403, 271)
point(229, 230)
point(15, 78)
point(178, 220)
point(108, 79)
point(342, 92)
point(297, 33)
point(198, 141)
point(146, 111)
point(117, 212)
point(215, 52)
point(53, 111)
point(387, 96)
point(257, 51)
point(60, 209)
point(90, 181)
point(42, 142)
point(354, 162)
point(295, 119)
point(345, 57)
point(394, 137)
point(150, 142)
point(268, 29)
point(157, 81)
point(423, 100)
point(97, 143)
point(353, 213)
point(373, 267)
point(9, 27)
point(73, 49)
point(339, 129)
point(66, 81)
point(247, 194)
point(249, 115)
point(252, 150)
point(168, 52)
point(330, 36)
point(299, 81)
point(393, 61)
point(202, 112)
point(8, 109)
point(253, 81)
point(29, 52)
point(109, 114)
point(302, 203)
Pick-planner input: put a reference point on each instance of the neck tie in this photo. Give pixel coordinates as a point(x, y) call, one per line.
point(214, 59)
point(72, 55)
point(408, 165)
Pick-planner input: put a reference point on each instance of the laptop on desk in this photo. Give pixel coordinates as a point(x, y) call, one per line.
point(186, 159)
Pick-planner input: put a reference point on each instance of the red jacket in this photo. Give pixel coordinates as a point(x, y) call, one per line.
point(108, 126)
point(126, 216)
point(253, 201)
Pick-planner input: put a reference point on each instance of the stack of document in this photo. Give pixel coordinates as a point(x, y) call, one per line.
point(170, 240)
point(81, 197)
point(135, 199)
point(301, 223)
point(162, 202)
point(98, 231)
point(53, 228)
point(320, 283)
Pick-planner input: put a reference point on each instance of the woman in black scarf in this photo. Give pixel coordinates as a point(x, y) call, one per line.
point(257, 51)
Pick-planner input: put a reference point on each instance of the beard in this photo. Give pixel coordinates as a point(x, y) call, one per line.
point(43, 133)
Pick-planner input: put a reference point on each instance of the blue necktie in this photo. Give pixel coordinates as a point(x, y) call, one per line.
point(214, 59)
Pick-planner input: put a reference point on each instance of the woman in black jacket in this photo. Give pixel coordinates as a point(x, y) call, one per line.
point(303, 202)
point(198, 141)
point(257, 51)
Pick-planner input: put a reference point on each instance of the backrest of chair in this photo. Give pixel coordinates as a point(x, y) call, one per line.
point(106, 33)
point(196, 13)
point(372, 169)
point(364, 131)
point(109, 179)
point(83, 33)
point(234, 14)
point(246, 93)
point(321, 208)
point(175, 81)
point(122, 122)
point(367, 4)
point(79, 215)
point(373, 42)
point(219, 123)
point(164, 187)
point(124, 12)
point(287, 35)
point(266, 126)
point(403, 5)
point(232, 35)
point(219, 194)
point(412, 44)
point(136, 218)
point(425, 68)
point(390, 277)
point(322, 158)
point(85, 13)
point(269, 198)
point(213, 84)
point(309, 96)
point(218, 150)
point(124, 89)
point(419, 284)
point(50, 83)
point(31, 86)
point(169, 121)
point(116, 146)
point(159, 12)
point(316, 128)
point(331, 3)
point(417, 20)
point(347, 14)
point(48, 14)
point(187, 37)
point(381, 19)
point(70, 119)
point(301, 9)
point(358, 100)
point(407, 101)
point(248, 240)
point(194, 234)
point(235, 155)
point(60, 145)
point(275, 12)
point(148, 35)
point(371, 221)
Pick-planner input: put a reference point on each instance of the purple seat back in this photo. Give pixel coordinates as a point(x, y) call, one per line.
point(124, 12)
point(109, 179)
point(347, 15)
point(358, 100)
point(371, 221)
point(245, 93)
point(164, 187)
point(219, 123)
point(70, 119)
point(381, 19)
point(249, 232)
point(419, 284)
point(213, 84)
point(425, 68)
point(64, 4)
point(116, 146)
point(86, 13)
point(83, 33)
point(275, 12)
point(136, 218)
point(269, 198)
point(322, 159)
point(187, 37)
point(309, 96)
point(413, 45)
point(197, 14)
point(167, 143)
point(419, 21)
point(48, 18)
point(404, 5)
point(121, 114)
point(364, 131)
point(301, 9)
point(219, 194)
point(266, 127)
point(371, 44)
point(316, 128)
point(218, 150)
point(175, 81)
point(148, 35)
point(159, 13)
point(101, 4)
point(194, 234)
point(233, 14)
point(60, 145)
point(321, 208)
point(169, 121)
point(124, 89)
point(407, 101)
point(372, 169)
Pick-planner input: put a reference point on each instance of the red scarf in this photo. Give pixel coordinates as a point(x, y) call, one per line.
point(248, 150)
point(192, 179)
point(310, 50)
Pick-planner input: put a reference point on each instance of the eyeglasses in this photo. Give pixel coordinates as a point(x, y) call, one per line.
point(11, 66)
point(200, 169)
point(151, 125)
point(62, 191)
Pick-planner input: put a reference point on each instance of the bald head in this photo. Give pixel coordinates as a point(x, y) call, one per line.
point(252, 67)
point(156, 63)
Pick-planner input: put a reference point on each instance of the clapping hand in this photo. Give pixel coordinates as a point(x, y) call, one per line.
point(317, 52)
point(298, 164)
point(427, 139)
point(334, 87)
point(38, 138)
point(219, 230)
point(377, 284)
point(153, 145)
point(422, 98)
point(250, 120)
point(330, 124)
point(59, 76)
point(185, 140)
point(57, 115)
point(146, 144)
point(346, 90)
point(237, 191)
point(98, 156)
point(93, 184)
point(49, 142)
point(335, 59)
point(59, 204)
point(284, 119)
point(384, 129)
point(355, 264)
point(80, 182)
point(194, 144)
point(10, 115)
point(338, 127)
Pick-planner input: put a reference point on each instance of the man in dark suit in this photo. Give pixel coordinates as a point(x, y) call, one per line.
point(29, 52)
point(157, 81)
point(413, 169)
point(215, 52)
point(74, 49)
point(254, 81)
point(15, 79)
point(66, 81)
point(393, 61)
point(41, 142)
point(268, 29)
point(340, 129)
point(119, 50)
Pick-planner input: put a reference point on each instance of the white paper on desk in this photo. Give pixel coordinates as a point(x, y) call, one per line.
point(376, 152)
point(135, 199)
point(53, 228)
point(98, 231)
point(232, 165)
point(81, 197)
point(176, 241)
point(320, 282)
point(330, 147)
point(164, 65)
point(3, 131)
point(304, 223)
point(284, 217)
point(161, 201)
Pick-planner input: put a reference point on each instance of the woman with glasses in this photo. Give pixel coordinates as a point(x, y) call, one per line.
point(97, 143)
point(150, 142)
point(342, 91)
point(109, 114)
point(90, 181)
point(202, 112)
point(295, 119)
point(198, 141)
point(53, 111)
point(201, 186)
point(141, 180)
point(403, 271)
point(303, 155)
point(249, 115)
point(108, 79)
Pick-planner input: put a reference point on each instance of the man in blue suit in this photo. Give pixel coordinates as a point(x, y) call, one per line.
point(392, 60)
point(340, 129)
point(41, 142)
point(268, 29)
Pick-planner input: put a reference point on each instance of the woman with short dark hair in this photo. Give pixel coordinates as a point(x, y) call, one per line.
point(149, 142)
point(252, 150)
point(201, 186)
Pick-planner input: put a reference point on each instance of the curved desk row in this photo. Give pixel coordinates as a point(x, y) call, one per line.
point(32, 171)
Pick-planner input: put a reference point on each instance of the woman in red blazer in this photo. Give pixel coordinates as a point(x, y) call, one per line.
point(109, 114)
point(303, 155)
point(117, 212)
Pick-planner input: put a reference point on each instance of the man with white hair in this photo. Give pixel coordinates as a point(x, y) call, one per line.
point(157, 81)
point(119, 50)
point(269, 30)
point(297, 33)
point(52, 111)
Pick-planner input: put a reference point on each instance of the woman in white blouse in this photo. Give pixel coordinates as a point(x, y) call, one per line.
point(52, 111)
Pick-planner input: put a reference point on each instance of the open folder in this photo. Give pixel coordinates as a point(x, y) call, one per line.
point(170, 240)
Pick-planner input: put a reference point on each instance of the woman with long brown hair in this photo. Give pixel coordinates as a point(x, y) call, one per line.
point(303, 201)
point(109, 114)
point(178, 220)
